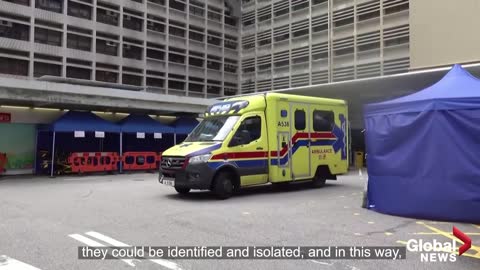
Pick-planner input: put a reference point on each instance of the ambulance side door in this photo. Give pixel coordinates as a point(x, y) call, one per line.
point(249, 144)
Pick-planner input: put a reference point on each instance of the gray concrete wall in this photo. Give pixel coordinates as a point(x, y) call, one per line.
point(444, 32)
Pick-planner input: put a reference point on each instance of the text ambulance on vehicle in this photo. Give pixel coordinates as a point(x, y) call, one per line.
point(254, 140)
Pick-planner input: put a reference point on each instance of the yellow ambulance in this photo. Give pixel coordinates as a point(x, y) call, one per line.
point(258, 139)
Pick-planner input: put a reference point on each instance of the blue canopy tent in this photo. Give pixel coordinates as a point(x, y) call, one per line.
point(141, 123)
point(77, 121)
point(183, 126)
point(422, 151)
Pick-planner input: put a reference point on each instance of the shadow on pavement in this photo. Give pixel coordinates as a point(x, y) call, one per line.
point(254, 191)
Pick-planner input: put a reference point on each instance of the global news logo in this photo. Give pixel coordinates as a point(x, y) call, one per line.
point(436, 251)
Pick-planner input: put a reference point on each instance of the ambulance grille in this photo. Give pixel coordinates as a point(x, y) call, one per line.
point(172, 162)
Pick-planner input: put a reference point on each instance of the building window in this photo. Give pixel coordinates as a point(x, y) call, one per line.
point(213, 65)
point(343, 51)
point(50, 5)
point(107, 16)
point(158, 2)
point(196, 34)
point(13, 66)
point(369, 15)
point(78, 73)
point(107, 47)
point(396, 41)
point(396, 8)
point(230, 68)
point(20, 2)
point(106, 76)
point(176, 85)
point(155, 54)
point(213, 39)
point(79, 10)
point(132, 79)
point(155, 82)
point(230, 42)
point(300, 121)
point(14, 30)
point(177, 5)
point(157, 27)
point(323, 120)
point(195, 62)
point(214, 15)
point(79, 42)
point(45, 69)
point(301, 32)
point(175, 31)
point(133, 52)
point(343, 22)
point(47, 36)
point(196, 9)
point(195, 87)
point(176, 58)
point(132, 23)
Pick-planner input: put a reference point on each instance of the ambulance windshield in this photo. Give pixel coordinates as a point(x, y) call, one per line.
point(213, 129)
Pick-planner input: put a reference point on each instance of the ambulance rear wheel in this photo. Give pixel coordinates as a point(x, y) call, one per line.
point(223, 186)
point(182, 190)
point(319, 181)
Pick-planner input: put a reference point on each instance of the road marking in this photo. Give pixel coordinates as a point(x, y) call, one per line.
point(356, 214)
point(107, 239)
point(245, 213)
point(371, 222)
point(448, 235)
point(7, 263)
point(322, 263)
point(388, 233)
point(89, 242)
point(358, 234)
point(434, 233)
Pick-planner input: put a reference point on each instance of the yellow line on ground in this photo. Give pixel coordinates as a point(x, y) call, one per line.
point(447, 235)
point(429, 233)
point(475, 256)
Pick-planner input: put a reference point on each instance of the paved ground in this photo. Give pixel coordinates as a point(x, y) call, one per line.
point(43, 221)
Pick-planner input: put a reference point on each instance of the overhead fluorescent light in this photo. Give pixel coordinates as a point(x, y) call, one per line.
point(102, 112)
point(15, 107)
point(47, 109)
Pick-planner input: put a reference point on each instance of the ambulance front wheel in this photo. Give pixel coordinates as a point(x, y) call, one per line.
point(182, 190)
point(223, 185)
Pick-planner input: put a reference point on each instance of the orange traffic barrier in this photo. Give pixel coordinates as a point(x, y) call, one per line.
point(140, 160)
point(3, 162)
point(93, 162)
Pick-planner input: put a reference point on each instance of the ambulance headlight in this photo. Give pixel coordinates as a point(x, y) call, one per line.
point(199, 159)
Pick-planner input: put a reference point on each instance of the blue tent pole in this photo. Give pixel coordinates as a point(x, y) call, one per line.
point(35, 157)
point(175, 139)
point(53, 156)
point(121, 151)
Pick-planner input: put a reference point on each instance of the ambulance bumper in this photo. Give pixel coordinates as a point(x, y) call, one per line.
point(194, 176)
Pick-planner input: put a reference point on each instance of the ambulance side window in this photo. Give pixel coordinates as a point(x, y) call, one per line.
point(249, 130)
point(300, 123)
point(323, 120)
